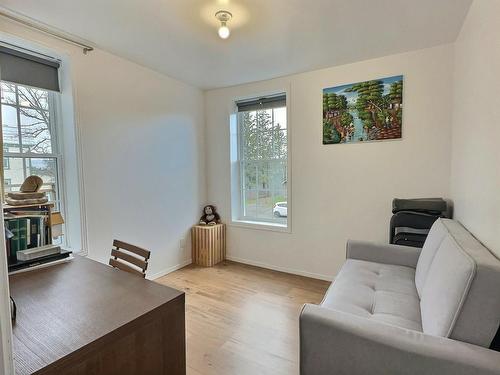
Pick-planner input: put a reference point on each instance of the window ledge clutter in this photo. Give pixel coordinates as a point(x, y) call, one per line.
point(29, 193)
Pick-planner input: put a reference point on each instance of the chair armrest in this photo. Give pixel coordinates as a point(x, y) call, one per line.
point(383, 253)
point(333, 342)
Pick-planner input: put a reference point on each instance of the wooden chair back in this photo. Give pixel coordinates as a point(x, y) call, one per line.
point(129, 258)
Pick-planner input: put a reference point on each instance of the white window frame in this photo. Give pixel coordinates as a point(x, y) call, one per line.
point(237, 218)
point(53, 109)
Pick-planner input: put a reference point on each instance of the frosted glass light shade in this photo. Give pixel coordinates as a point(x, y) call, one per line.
point(224, 32)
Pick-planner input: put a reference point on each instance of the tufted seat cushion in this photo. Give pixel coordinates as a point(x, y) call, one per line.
point(381, 292)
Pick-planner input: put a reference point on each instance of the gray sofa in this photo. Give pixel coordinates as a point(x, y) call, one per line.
point(401, 310)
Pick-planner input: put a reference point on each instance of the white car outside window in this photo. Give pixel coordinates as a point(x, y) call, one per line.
point(280, 209)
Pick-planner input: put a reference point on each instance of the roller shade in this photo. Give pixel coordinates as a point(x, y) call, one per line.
point(274, 101)
point(25, 69)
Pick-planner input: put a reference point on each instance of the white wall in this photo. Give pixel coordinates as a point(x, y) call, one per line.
point(142, 146)
point(142, 140)
point(340, 191)
point(475, 179)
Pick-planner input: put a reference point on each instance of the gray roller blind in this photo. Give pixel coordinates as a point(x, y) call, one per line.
point(25, 69)
point(267, 102)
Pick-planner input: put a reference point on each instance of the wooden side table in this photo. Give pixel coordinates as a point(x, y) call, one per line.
point(208, 243)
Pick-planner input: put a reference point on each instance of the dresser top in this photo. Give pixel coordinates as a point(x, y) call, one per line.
point(63, 308)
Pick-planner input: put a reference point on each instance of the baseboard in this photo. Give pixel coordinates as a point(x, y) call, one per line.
point(168, 270)
point(281, 269)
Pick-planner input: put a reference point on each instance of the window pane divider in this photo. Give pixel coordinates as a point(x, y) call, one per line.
point(30, 155)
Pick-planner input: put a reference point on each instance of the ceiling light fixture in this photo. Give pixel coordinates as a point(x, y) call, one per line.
point(223, 16)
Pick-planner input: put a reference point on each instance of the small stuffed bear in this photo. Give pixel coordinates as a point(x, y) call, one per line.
point(210, 217)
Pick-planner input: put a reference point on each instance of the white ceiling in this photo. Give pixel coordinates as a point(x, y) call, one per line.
point(270, 38)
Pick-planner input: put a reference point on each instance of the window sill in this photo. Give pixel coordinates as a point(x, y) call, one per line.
point(261, 225)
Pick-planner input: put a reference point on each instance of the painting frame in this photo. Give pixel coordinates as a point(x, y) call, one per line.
point(366, 111)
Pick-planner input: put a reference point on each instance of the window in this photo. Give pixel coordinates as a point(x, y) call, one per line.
point(262, 152)
point(29, 137)
point(6, 164)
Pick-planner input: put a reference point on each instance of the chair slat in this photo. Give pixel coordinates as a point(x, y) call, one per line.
point(124, 267)
point(130, 259)
point(132, 248)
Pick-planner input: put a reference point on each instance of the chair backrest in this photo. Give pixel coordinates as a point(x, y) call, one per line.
point(129, 258)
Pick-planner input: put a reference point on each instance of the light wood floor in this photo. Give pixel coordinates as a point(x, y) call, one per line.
point(242, 320)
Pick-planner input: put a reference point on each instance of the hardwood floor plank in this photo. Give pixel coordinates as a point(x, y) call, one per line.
point(242, 319)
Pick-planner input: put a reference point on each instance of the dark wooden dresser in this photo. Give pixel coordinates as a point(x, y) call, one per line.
point(84, 317)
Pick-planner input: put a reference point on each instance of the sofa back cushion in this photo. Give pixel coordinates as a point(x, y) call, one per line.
point(460, 297)
point(436, 236)
point(446, 286)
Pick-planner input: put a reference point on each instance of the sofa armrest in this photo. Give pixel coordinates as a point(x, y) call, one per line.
point(333, 342)
point(383, 253)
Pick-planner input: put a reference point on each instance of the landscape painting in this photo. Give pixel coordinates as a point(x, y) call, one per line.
point(364, 111)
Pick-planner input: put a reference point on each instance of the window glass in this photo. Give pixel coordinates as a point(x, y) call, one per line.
point(15, 173)
point(10, 129)
point(33, 98)
point(9, 93)
point(263, 155)
point(35, 133)
point(29, 138)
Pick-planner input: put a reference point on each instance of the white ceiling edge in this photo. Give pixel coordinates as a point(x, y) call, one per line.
point(51, 29)
point(327, 67)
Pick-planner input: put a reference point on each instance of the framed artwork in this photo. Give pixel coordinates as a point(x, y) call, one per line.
point(363, 111)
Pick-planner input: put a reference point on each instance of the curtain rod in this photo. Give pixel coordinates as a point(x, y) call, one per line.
point(32, 24)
